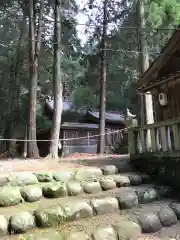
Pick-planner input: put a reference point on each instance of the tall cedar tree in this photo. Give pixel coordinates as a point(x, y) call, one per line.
point(103, 82)
point(57, 83)
point(34, 52)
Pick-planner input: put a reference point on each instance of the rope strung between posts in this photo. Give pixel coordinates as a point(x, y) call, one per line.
point(68, 139)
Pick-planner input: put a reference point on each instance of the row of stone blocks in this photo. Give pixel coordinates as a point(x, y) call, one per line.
point(90, 181)
point(79, 209)
point(29, 178)
point(10, 195)
point(122, 230)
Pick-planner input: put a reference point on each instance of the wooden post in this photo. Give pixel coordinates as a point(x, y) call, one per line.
point(176, 136)
point(130, 124)
point(153, 140)
point(143, 140)
point(164, 139)
point(88, 137)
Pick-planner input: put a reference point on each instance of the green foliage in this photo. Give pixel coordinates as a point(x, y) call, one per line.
point(161, 13)
point(84, 97)
point(11, 19)
point(42, 122)
point(122, 42)
point(80, 65)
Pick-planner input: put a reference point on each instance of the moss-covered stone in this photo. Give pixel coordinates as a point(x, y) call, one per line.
point(9, 196)
point(127, 199)
point(22, 179)
point(105, 205)
point(44, 176)
point(74, 188)
point(127, 230)
point(149, 222)
point(21, 222)
point(3, 226)
point(121, 181)
point(107, 183)
point(55, 190)
point(148, 195)
point(176, 208)
point(49, 217)
point(91, 187)
point(63, 176)
point(4, 179)
point(135, 179)
point(75, 210)
point(104, 233)
point(167, 216)
point(109, 169)
point(31, 193)
point(84, 174)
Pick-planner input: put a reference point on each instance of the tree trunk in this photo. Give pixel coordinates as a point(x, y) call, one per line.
point(32, 150)
point(57, 83)
point(146, 99)
point(102, 111)
point(144, 62)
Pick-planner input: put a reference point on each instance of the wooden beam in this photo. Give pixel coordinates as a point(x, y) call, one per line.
point(170, 78)
point(161, 60)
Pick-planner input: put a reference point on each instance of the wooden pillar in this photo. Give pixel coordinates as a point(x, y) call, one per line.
point(131, 124)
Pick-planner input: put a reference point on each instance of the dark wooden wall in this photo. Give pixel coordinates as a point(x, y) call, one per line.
point(80, 137)
point(172, 109)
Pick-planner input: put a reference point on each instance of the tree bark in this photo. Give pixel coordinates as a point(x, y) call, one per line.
point(34, 51)
point(146, 99)
point(57, 83)
point(144, 63)
point(102, 111)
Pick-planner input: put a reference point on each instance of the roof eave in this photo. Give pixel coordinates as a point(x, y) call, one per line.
point(161, 59)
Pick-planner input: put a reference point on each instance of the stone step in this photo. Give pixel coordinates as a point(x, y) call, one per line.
point(54, 194)
point(100, 227)
point(82, 174)
point(109, 227)
point(53, 212)
point(52, 199)
point(13, 195)
point(16, 192)
point(48, 202)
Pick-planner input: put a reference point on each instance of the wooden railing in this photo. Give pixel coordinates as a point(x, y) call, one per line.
point(154, 138)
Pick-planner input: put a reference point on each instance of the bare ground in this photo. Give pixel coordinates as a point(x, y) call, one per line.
point(20, 165)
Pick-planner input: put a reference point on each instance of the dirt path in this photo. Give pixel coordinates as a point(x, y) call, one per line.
point(20, 165)
point(36, 165)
